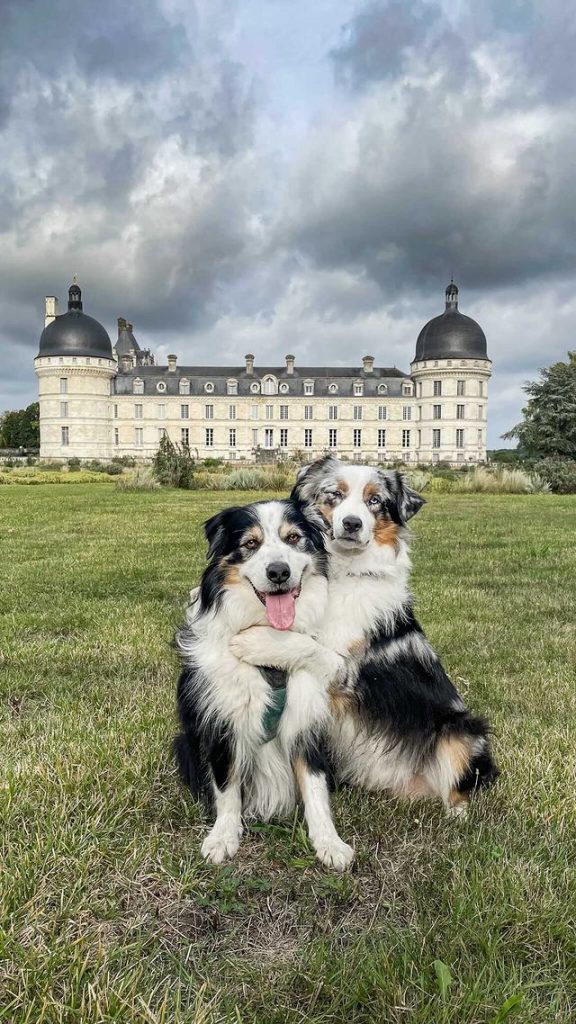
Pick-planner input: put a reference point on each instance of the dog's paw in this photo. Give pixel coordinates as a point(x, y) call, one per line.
point(459, 810)
point(247, 646)
point(220, 846)
point(334, 853)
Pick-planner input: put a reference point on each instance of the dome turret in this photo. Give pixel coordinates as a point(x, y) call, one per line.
point(451, 335)
point(74, 333)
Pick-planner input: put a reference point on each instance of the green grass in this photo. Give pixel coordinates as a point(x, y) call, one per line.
point(107, 912)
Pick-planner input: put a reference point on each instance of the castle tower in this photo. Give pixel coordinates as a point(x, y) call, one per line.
point(451, 371)
point(74, 366)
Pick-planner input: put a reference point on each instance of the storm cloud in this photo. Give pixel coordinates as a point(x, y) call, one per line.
point(281, 177)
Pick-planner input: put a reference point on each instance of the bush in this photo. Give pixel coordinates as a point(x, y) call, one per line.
point(50, 467)
point(173, 465)
point(124, 460)
point(142, 479)
point(559, 474)
point(113, 469)
point(73, 465)
point(211, 464)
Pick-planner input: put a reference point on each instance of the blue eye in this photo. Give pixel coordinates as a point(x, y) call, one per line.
point(374, 500)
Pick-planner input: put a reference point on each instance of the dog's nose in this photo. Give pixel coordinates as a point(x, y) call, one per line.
point(352, 524)
point(278, 572)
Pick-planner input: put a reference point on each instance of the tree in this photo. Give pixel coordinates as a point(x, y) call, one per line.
point(21, 429)
point(549, 425)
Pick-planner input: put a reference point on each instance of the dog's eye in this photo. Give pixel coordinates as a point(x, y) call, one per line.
point(334, 496)
point(252, 543)
point(374, 501)
point(293, 538)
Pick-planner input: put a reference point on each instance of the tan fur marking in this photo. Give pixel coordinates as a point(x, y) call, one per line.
point(286, 529)
point(327, 511)
point(386, 532)
point(357, 646)
point(457, 799)
point(342, 486)
point(300, 772)
point(231, 575)
point(254, 533)
point(341, 703)
point(457, 752)
point(370, 490)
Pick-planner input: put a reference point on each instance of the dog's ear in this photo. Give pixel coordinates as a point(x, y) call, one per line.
point(403, 501)
point(305, 487)
point(216, 532)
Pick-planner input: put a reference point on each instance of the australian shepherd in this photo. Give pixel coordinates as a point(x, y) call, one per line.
point(253, 738)
point(397, 721)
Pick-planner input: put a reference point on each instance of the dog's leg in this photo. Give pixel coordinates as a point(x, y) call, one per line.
point(223, 839)
point(330, 849)
point(263, 645)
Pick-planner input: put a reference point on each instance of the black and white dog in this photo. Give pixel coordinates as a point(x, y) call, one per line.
point(247, 743)
point(397, 723)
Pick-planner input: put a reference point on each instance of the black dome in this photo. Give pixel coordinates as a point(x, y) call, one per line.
point(74, 333)
point(451, 335)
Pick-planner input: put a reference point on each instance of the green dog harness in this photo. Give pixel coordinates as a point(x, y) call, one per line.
point(277, 680)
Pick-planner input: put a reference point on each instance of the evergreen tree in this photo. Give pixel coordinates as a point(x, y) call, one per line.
point(21, 429)
point(549, 425)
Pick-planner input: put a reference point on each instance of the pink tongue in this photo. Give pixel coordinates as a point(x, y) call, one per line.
point(280, 610)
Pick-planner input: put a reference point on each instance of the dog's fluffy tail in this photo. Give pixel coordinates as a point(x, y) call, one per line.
point(189, 764)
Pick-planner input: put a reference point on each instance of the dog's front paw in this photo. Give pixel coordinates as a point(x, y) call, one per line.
point(333, 852)
point(220, 846)
point(248, 645)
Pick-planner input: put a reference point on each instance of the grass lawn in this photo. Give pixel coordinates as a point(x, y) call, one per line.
point(107, 912)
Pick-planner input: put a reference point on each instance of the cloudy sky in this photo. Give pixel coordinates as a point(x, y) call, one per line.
point(288, 175)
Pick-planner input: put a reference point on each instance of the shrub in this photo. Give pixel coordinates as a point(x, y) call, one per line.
point(559, 474)
point(113, 469)
point(74, 465)
point(173, 464)
point(50, 467)
point(417, 479)
point(123, 460)
point(142, 479)
point(211, 464)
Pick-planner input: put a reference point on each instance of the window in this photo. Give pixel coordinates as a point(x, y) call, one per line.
point(231, 412)
point(63, 410)
point(407, 389)
point(268, 437)
point(254, 412)
point(116, 435)
point(382, 389)
point(406, 412)
point(255, 437)
point(283, 388)
point(481, 388)
point(480, 412)
point(232, 437)
point(459, 438)
point(283, 437)
point(308, 438)
point(161, 412)
point(208, 387)
point(308, 387)
point(283, 412)
point(419, 438)
point(63, 385)
point(161, 387)
point(420, 389)
point(435, 438)
point(358, 388)
point(115, 412)
point(357, 412)
point(480, 439)
point(232, 387)
point(184, 412)
point(162, 432)
point(308, 412)
point(382, 414)
point(460, 387)
point(405, 438)
point(381, 438)
point(139, 437)
point(332, 438)
point(184, 386)
point(138, 386)
point(269, 412)
point(269, 386)
point(459, 412)
point(138, 412)
point(357, 438)
point(419, 412)
point(209, 437)
point(185, 436)
point(332, 412)
point(208, 412)
point(333, 388)
point(437, 388)
point(65, 435)
point(437, 412)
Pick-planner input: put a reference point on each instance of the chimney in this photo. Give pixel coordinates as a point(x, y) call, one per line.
point(249, 364)
point(368, 363)
point(50, 309)
point(290, 360)
point(121, 325)
point(172, 360)
point(126, 363)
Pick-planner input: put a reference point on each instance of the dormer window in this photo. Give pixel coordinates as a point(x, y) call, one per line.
point(184, 386)
point(382, 389)
point(138, 386)
point(232, 386)
point(255, 387)
point(308, 387)
point(161, 386)
point(358, 388)
point(333, 388)
point(407, 389)
point(209, 387)
point(269, 385)
point(283, 388)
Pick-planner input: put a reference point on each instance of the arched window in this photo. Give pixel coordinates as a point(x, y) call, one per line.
point(382, 389)
point(333, 388)
point(232, 386)
point(255, 388)
point(269, 385)
point(138, 386)
point(209, 387)
point(184, 386)
point(161, 386)
point(283, 388)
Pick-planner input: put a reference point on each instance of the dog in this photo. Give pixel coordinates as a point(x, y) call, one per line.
point(398, 723)
point(251, 738)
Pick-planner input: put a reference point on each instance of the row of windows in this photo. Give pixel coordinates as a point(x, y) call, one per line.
point(358, 412)
point(269, 386)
